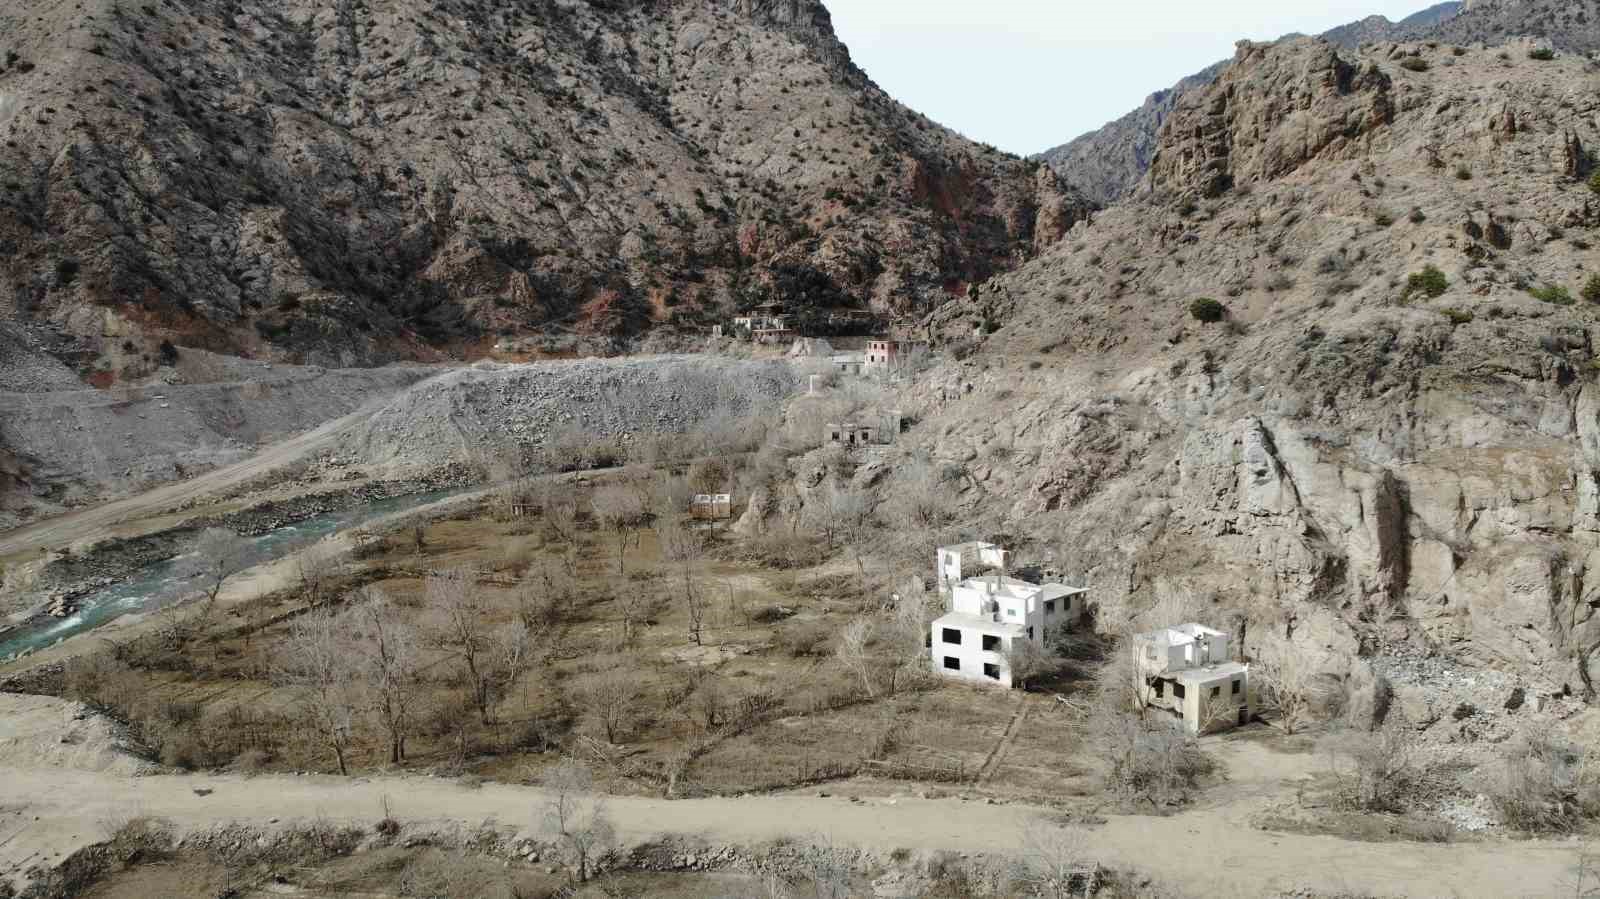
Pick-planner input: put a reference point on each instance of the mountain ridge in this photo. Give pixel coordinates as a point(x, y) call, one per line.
point(1108, 162)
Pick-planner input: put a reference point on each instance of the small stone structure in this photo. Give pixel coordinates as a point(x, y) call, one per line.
point(851, 434)
point(711, 507)
point(1187, 670)
point(988, 614)
point(858, 433)
point(765, 324)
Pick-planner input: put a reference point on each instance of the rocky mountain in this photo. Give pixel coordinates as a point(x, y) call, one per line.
point(1572, 25)
point(1329, 374)
point(351, 183)
point(1107, 163)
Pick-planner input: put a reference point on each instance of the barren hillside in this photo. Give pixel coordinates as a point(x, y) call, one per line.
point(1363, 455)
point(354, 183)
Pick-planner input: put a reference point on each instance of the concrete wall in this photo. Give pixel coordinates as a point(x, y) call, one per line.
point(971, 655)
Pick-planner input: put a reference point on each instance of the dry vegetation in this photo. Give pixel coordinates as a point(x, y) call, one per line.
point(591, 621)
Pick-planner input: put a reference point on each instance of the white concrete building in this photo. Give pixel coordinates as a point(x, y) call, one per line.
point(1188, 671)
point(988, 614)
point(955, 563)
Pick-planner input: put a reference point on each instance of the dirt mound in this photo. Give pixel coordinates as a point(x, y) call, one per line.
point(46, 732)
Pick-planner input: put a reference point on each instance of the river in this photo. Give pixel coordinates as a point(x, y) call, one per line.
point(163, 582)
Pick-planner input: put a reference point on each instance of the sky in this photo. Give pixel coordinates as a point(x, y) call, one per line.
point(1027, 75)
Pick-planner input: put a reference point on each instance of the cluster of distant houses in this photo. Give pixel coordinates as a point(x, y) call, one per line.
point(768, 325)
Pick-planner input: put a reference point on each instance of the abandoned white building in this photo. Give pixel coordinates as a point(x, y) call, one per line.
point(987, 614)
point(711, 506)
point(1187, 670)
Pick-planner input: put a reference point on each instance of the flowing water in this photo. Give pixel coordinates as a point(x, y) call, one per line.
point(162, 582)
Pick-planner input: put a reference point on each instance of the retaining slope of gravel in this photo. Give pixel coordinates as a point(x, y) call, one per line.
point(443, 420)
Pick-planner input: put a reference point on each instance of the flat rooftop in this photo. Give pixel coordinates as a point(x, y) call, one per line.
point(984, 623)
point(1206, 674)
point(1002, 586)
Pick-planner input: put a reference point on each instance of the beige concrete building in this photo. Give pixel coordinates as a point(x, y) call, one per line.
point(1188, 672)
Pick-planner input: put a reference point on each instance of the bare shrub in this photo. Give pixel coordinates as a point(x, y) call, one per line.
point(1545, 786)
point(1373, 769)
point(1056, 863)
point(1028, 662)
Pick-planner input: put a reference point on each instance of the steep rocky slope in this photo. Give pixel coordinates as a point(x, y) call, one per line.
point(347, 183)
point(1572, 25)
point(1346, 459)
point(1107, 163)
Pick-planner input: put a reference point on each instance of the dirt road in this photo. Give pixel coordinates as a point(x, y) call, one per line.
point(47, 813)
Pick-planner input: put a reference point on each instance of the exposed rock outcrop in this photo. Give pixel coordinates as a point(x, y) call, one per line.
point(1269, 113)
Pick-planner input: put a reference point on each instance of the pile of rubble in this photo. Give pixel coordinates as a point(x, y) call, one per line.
point(454, 418)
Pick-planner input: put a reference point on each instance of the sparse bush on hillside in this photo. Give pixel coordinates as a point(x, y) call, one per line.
point(1552, 294)
point(1457, 316)
point(1207, 310)
point(1594, 182)
point(1430, 282)
point(1543, 54)
point(1591, 289)
point(1414, 64)
point(1463, 173)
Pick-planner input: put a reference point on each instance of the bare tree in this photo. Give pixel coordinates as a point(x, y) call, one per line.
point(318, 662)
point(853, 652)
point(318, 567)
point(850, 512)
point(684, 548)
point(514, 647)
point(388, 659)
point(576, 816)
point(619, 511)
point(457, 601)
point(217, 555)
point(1285, 685)
point(921, 501)
point(611, 697)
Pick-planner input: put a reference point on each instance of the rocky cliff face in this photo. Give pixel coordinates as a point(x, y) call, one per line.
point(1107, 164)
point(1348, 460)
point(347, 184)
